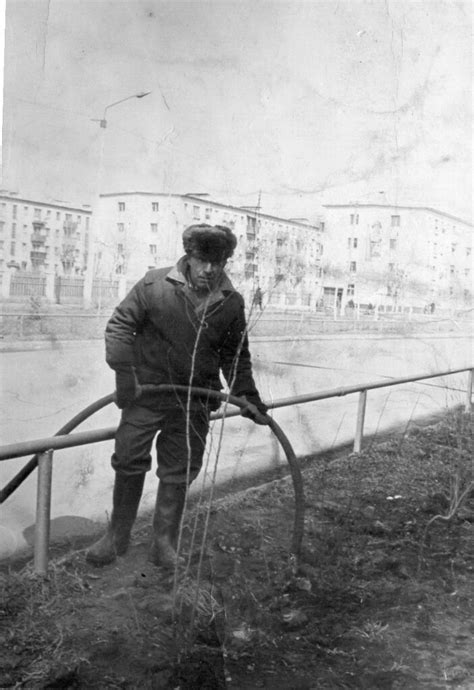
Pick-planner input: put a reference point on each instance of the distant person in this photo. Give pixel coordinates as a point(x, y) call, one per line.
point(179, 325)
point(432, 308)
point(258, 298)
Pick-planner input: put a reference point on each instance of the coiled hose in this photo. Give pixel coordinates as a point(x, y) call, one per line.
point(298, 523)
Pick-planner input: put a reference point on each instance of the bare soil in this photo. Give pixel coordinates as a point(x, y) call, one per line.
point(382, 595)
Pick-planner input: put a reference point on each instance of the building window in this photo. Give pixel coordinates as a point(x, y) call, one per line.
point(468, 251)
point(155, 206)
point(453, 247)
point(152, 248)
point(154, 227)
point(207, 213)
point(395, 221)
point(121, 205)
point(14, 210)
point(393, 244)
point(13, 230)
point(196, 212)
point(350, 290)
point(354, 243)
point(87, 222)
point(58, 215)
point(37, 214)
point(354, 219)
point(12, 248)
point(79, 218)
point(353, 266)
point(349, 242)
point(120, 227)
point(120, 248)
point(68, 216)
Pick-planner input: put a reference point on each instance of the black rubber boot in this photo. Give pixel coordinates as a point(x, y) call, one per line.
point(166, 522)
point(126, 498)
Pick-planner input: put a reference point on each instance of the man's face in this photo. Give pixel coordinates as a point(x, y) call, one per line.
point(204, 273)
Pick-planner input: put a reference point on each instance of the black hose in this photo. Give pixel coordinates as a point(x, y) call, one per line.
point(31, 465)
point(298, 524)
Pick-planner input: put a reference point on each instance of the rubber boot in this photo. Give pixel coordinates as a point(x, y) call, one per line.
point(166, 522)
point(126, 498)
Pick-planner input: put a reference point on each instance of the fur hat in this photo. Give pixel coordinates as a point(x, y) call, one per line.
point(214, 242)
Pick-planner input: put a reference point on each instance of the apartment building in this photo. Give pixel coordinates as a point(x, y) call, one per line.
point(43, 237)
point(137, 231)
point(397, 257)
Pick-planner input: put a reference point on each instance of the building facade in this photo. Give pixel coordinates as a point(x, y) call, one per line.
point(397, 257)
point(137, 231)
point(42, 237)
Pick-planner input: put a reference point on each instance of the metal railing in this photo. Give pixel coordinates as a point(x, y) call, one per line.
point(270, 322)
point(44, 447)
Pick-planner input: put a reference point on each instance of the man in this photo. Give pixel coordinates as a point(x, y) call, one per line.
point(178, 326)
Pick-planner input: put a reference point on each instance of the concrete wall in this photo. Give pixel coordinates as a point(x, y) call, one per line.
point(44, 388)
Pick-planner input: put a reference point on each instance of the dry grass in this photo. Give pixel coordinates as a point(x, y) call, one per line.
point(382, 596)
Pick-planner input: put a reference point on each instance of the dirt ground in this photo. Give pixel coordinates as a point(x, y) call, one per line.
point(382, 595)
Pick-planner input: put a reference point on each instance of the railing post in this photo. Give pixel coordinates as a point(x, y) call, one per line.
point(43, 512)
point(468, 408)
point(360, 421)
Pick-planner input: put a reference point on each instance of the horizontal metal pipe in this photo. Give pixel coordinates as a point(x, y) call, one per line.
point(27, 469)
point(41, 445)
point(18, 450)
point(357, 388)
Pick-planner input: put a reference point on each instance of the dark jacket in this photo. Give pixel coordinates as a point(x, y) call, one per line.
point(159, 332)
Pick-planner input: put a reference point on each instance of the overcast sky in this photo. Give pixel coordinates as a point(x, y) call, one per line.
point(306, 102)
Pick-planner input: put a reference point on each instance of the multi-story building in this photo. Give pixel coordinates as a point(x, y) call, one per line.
point(394, 257)
point(141, 230)
point(397, 257)
point(43, 237)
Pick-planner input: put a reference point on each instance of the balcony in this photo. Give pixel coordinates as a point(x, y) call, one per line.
point(38, 242)
point(70, 228)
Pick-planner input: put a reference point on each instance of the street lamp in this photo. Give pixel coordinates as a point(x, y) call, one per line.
point(103, 121)
point(95, 210)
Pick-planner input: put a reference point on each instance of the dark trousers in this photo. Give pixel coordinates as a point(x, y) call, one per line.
point(180, 443)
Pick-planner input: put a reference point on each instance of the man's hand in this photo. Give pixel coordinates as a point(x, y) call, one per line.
point(251, 411)
point(126, 387)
